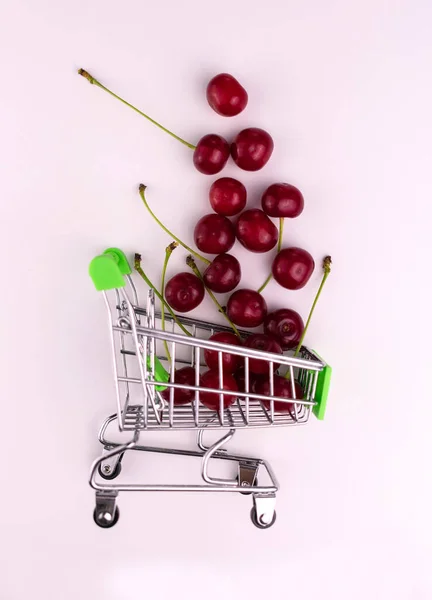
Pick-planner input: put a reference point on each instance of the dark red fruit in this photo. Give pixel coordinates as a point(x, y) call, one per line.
point(261, 341)
point(282, 389)
point(226, 96)
point(184, 292)
point(227, 196)
point(185, 376)
point(286, 326)
point(210, 379)
point(211, 154)
point(223, 274)
point(214, 234)
point(282, 200)
point(252, 148)
point(230, 362)
point(255, 231)
point(292, 268)
point(247, 308)
point(241, 380)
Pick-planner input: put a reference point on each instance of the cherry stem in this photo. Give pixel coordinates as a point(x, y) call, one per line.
point(138, 269)
point(327, 268)
point(192, 264)
point(142, 189)
point(279, 246)
point(94, 81)
point(169, 250)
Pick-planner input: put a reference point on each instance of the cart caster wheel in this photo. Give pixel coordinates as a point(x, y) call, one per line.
point(257, 523)
point(113, 474)
point(247, 488)
point(104, 519)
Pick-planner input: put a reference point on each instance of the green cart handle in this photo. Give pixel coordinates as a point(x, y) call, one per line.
point(321, 392)
point(107, 272)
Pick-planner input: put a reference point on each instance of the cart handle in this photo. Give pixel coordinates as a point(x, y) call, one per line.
point(108, 270)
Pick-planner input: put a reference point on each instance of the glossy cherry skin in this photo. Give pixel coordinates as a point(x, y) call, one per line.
point(239, 376)
point(184, 292)
point(214, 234)
point(255, 231)
point(261, 341)
point(185, 376)
point(223, 274)
point(282, 200)
point(210, 379)
point(252, 148)
point(286, 326)
point(211, 154)
point(292, 268)
point(282, 389)
point(226, 96)
point(230, 362)
point(247, 308)
point(227, 196)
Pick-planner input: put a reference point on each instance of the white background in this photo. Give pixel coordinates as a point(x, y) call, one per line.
point(344, 88)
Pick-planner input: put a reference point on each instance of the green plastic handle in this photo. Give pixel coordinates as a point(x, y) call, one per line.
point(108, 270)
point(322, 390)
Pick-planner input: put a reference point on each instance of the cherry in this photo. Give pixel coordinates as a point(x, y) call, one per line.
point(282, 200)
point(247, 308)
point(214, 234)
point(261, 341)
point(223, 274)
point(286, 326)
point(185, 376)
point(281, 389)
point(226, 96)
point(184, 292)
point(241, 380)
point(292, 268)
point(255, 231)
point(230, 362)
point(252, 148)
point(210, 379)
point(227, 196)
point(211, 154)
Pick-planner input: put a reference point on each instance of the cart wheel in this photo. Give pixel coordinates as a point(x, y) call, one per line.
point(247, 490)
point(257, 523)
point(105, 519)
point(114, 473)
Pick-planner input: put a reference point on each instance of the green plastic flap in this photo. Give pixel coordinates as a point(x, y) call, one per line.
point(108, 269)
point(160, 374)
point(322, 390)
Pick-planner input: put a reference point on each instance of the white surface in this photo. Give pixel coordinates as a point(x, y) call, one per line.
point(344, 87)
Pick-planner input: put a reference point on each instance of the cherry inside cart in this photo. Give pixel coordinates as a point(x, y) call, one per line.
point(142, 372)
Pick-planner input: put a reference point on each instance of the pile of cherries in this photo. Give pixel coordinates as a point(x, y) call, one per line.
point(215, 234)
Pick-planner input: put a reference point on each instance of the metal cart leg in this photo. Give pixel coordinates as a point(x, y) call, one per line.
point(106, 513)
point(247, 474)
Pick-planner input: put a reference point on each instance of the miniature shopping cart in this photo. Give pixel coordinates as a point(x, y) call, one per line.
point(142, 372)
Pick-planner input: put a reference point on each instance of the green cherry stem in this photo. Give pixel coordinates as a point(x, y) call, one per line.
point(192, 264)
point(139, 270)
point(279, 246)
point(327, 268)
point(169, 250)
point(94, 81)
point(142, 188)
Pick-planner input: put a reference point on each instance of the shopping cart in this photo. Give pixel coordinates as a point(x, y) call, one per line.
point(142, 372)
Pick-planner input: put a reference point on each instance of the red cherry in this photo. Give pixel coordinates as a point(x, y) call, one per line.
point(282, 389)
point(255, 231)
point(185, 376)
point(286, 326)
point(252, 148)
point(214, 234)
point(247, 308)
point(211, 154)
point(261, 341)
point(230, 362)
point(184, 292)
point(210, 379)
point(227, 196)
point(223, 274)
point(226, 96)
point(282, 200)
point(292, 268)
point(241, 380)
